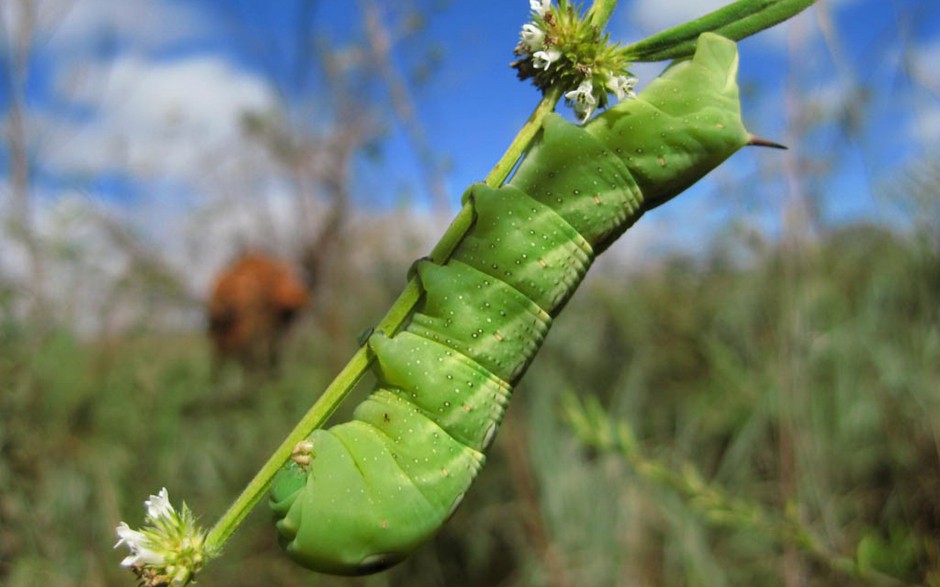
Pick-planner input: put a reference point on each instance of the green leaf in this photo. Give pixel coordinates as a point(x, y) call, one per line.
point(735, 21)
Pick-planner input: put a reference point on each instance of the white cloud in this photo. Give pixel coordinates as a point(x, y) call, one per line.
point(172, 119)
point(122, 109)
point(656, 15)
point(924, 126)
point(924, 123)
point(78, 26)
point(172, 126)
point(80, 263)
point(924, 65)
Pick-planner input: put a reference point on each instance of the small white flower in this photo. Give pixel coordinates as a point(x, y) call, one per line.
point(532, 37)
point(583, 100)
point(544, 59)
point(143, 557)
point(140, 546)
point(132, 538)
point(159, 507)
point(169, 545)
point(540, 7)
point(622, 86)
point(584, 93)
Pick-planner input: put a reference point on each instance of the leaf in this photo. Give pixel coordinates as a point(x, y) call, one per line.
point(735, 21)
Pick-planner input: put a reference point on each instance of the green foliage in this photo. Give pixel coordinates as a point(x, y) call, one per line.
point(88, 428)
point(801, 384)
point(801, 391)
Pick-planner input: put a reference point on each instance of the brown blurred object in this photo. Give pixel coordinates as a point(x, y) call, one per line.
point(254, 301)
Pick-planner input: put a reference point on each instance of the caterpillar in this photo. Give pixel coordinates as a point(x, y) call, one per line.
point(366, 493)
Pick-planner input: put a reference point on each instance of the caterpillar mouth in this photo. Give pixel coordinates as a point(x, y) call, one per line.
point(756, 141)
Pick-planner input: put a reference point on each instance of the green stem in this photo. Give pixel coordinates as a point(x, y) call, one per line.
point(600, 12)
point(259, 485)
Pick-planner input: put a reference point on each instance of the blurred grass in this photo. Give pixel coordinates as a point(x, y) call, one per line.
point(801, 381)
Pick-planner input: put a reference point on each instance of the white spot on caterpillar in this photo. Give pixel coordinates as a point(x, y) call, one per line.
point(662, 161)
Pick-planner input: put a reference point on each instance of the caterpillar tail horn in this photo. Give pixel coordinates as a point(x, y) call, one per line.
point(756, 141)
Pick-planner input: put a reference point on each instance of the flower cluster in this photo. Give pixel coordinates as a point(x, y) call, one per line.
point(560, 48)
point(170, 549)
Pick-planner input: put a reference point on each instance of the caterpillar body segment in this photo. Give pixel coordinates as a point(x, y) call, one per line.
point(509, 221)
point(507, 328)
point(416, 368)
point(686, 122)
point(582, 180)
point(352, 465)
point(378, 486)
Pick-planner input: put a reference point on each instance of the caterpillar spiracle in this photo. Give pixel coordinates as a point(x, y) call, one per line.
point(378, 486)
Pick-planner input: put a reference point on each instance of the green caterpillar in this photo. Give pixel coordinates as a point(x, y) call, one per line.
point(373, 489)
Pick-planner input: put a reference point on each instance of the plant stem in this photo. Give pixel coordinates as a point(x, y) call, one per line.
point(258, 486)
point(600, 12)
point(350, 375)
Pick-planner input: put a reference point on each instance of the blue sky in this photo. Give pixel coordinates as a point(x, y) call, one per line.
point(136, 104)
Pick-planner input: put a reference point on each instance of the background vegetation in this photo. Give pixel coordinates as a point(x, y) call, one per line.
point(801, 383)
point(759, 409)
